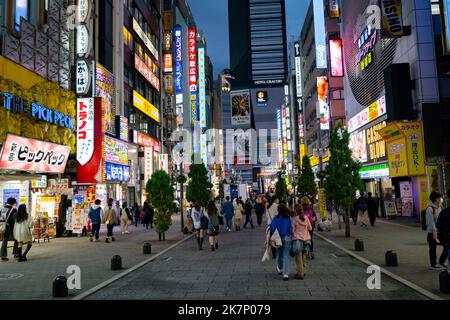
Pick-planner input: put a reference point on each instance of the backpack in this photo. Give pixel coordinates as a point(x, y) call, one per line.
point(423, 218)
point(362, 205)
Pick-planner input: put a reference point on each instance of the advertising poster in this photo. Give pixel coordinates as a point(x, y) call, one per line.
point(261, 99)
point(358, 145)
point(337, 65)
point(24, 154)
point(398, 158)
point(392, 18)
point(391, 207)
point(324, 108)
point(105, 88)
point(416, 149)
point(11, 193)
point(116, 151)
point(240, 105)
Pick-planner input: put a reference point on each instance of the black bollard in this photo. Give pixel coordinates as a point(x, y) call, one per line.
point(391, 259)
point(60, 289)
point(116, 263)
point(444, 281)
point(359, 245)
point(147, 249)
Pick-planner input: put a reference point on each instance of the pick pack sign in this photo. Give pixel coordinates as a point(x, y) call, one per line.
point(24, 154)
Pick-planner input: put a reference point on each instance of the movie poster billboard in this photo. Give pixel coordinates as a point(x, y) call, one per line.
point(324, 108)
point(240, 108)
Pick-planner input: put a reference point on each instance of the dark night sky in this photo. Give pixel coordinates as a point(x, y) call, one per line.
point(212, 17)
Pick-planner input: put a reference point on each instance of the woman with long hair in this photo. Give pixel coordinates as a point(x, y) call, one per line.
point(272, 209)
point(22, 231)
point(301, 228)
point(214, 226)
point(311, 215)
point(198, 215)
point(282, 224)
point(238, 210)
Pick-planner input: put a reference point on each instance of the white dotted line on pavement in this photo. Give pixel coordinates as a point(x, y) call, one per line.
point(405, 282)
point(128, 271)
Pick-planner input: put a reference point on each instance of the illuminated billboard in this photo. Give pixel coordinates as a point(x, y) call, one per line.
point(320, 35)
point(202, 86)
point(193, 80)
point(324, 108)
point(445, 13)
point(337, 66)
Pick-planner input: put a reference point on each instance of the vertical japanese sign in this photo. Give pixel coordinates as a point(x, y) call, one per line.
point(337, 66)
point(280, 137)
point(105, 88)
point(85, 130)
point(193, 81)
point(324, 108)
point(202, 86)
point(319, 27)
point(298, 70)
point(179, 74)
point(334, 9)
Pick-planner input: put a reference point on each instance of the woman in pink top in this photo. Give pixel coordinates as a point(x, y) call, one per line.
point(301, 228)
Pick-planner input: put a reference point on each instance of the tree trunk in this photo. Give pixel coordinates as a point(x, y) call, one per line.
point(159, 234)
point(164, 236)
point(347, 223)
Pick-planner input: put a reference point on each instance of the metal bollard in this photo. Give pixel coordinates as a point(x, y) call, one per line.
point(391, 259)
point(147, 248)
point(116, 263)
point(60, 289)
point(359, 245)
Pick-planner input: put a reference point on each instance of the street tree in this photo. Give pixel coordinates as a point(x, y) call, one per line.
point(342, 178)
point(281, 187)
point(307, 185)
point(160, 195)
point(199, 187)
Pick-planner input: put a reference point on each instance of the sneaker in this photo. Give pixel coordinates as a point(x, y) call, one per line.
point(217, 246)
point(91, 239)
point(285, 277)
point(107, 241)
point(127, 232)
point(436, 267)
point(279, 271)
point(113, 239)
point(5, 259)
point(443, 265)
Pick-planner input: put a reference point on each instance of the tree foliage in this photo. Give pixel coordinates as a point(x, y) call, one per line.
point(307, 185)
point(199, 188)
point(281, 187)
point(161, 197)
point(342, 178)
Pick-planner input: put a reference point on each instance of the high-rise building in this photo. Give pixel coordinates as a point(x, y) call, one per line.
point(258, 55)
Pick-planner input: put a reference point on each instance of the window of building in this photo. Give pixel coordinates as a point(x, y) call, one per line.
point(22, 10)
point(128, 38)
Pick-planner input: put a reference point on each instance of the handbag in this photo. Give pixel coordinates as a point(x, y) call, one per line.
point(204, 222)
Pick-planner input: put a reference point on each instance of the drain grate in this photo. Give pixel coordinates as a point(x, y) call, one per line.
point(11, 276)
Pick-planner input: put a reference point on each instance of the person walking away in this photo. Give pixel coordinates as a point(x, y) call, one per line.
point(272, 209)
point(248, 214)
point(198, 216)
point(372, 209)
point(136, 214)
point(8, 217)
point(148, 215)
point(213, 226)
point(354, 212)
point(23, 231)
point(95, 214)
point(363, 206)
point(443, 226)
point(238, 210)
point(228, 212)
point(126, 218)
point(110, 219)
point(329, 210)
point(432, 215)
point(301, 228)
point(312, 217)
point(282, 223)
point(260, 209)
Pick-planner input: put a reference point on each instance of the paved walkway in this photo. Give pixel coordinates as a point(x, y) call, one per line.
point(408, 241)
point(236, 272)
point(33, 279)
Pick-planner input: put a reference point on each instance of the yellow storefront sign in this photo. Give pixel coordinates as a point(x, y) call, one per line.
point(145, 106)
point(405, 149)
point(323, 204)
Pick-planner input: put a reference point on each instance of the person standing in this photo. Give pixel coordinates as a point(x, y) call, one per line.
point(136, 213)
point(282, 224)
point(95, 214)
point(432, 215)
point(228, 212)
point(23, 231)
point(110, 220)
point(311, 215)
point(301, 228)
point(248, 214)
point(8, 215)
point(363, 206)
point(213, 226)
point(126, 218)
point(372, 209)
point(148, 215)
point(260, 209)
point(238, 210)
point(443, 227)
point(198, 216)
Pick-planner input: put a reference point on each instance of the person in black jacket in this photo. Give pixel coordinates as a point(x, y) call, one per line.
point(443, 226)
point(8, 214)
point(148, 215)
point(248, 208)
point(372, 208)
point(260, 209)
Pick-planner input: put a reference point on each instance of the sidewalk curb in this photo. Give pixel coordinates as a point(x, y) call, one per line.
point(127, 272)
point(405, 282)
